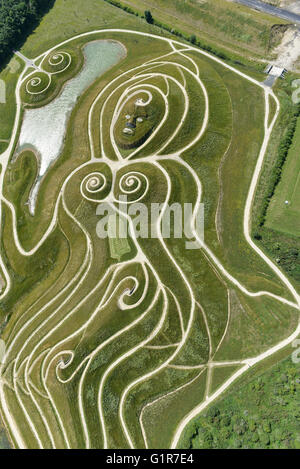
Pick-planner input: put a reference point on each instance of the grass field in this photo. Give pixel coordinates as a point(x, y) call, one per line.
point(284, 216)
point(278, 239)
point(239, 29)
point(9, 76)
point(108, 338)
point(118, 246)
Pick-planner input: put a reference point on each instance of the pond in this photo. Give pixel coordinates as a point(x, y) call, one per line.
point(43, 129)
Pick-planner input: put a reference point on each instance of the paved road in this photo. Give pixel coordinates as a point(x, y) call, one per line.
point(279, 12)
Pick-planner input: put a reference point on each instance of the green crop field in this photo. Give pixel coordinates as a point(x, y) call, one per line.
point(284, 210)
point(107, 338)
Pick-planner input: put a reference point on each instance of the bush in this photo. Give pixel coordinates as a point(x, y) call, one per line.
point(149, 17)
point(213, 412)
point(193, 39)
point(252, 426)
point(267, 427)
point(226, 421)
point(264, 439)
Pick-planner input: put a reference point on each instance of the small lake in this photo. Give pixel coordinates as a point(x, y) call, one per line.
point(43, 129)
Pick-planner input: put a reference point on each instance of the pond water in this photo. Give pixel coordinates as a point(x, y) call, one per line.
point(43, 129)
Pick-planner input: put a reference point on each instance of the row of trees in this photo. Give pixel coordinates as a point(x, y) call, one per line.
point(192, 38)
point(17, 19)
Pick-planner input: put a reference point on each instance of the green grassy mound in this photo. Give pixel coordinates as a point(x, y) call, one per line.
point(139, 120)
point(41, 87)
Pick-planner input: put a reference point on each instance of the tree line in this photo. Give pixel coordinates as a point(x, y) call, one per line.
point(17, 19)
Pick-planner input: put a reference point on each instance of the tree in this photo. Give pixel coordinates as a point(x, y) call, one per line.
point(17, 20)
point(193, 39)
point(149, 17)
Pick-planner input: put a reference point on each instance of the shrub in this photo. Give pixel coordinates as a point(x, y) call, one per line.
point(149, 17)
point(193, 39)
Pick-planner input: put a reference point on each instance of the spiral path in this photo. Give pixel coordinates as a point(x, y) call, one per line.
point(39, 80)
